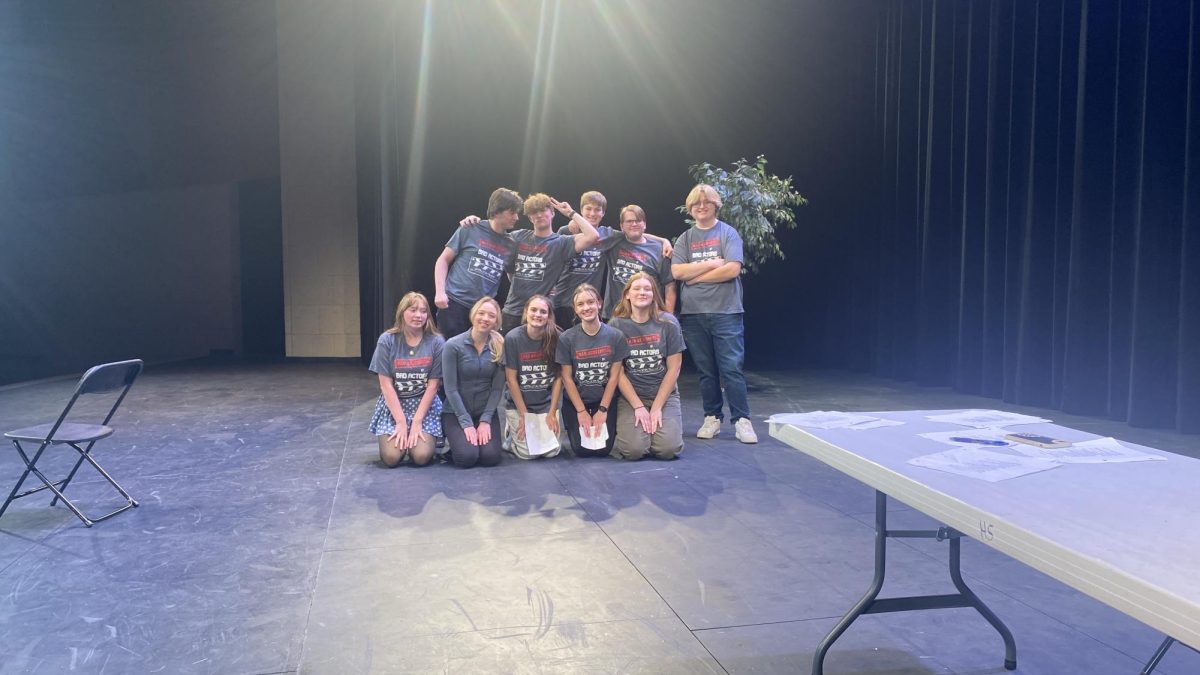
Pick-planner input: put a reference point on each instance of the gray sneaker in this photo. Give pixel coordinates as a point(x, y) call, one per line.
point(710, 428)
point(744, 431)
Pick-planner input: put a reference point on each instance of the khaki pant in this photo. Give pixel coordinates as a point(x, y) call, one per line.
point(517, 446)
point(633, 443)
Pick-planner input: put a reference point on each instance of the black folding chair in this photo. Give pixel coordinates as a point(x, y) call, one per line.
point(100, 379)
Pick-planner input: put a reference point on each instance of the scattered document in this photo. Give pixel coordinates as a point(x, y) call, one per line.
point(593, 442)
point(983, 419)
point(983, 464)
point(831, 419)
point(1097, 451)
point(875, 424)
point(538, 437)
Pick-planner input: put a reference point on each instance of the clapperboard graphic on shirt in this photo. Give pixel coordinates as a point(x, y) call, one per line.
point(411, 375)
point(487, 265)
point(585, 262)
point(534, 373)
point(536, 380)
point(592, 374)
point(647, 365)
point(534, 270)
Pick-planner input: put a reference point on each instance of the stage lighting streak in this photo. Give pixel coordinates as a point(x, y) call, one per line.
point(514, 26)
point(627, 49)
point(533, 152)
point(416, 153)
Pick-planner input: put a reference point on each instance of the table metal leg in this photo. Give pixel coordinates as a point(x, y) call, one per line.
point(872, 604)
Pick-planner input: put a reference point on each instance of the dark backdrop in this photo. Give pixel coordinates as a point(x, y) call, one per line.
point(1037, 206)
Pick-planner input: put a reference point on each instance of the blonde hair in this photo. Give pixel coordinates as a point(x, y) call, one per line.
point(593, 197)
point(496, 340)
point(537, 202)
point(624, 308)
point(700, 192)
point(410, 298)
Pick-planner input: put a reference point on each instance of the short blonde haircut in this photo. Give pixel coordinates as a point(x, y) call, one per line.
point(536, 202)
point(699, 193)
point(595, 198)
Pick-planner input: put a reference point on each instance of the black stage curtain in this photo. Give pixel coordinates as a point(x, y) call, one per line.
point(1036, 205)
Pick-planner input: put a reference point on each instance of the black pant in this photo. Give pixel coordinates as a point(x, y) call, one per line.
point(571, 422)
point(509, 322)
point(454, 319)
point(564, 317)
point(464, 453)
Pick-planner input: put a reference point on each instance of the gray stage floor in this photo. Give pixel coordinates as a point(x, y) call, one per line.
point(270, 540)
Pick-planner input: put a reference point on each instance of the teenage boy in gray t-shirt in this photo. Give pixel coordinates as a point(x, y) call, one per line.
point(636, 252)
point(707, 263)
point(473, 261)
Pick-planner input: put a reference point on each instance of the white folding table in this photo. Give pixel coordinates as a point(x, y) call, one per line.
point(1125, 534)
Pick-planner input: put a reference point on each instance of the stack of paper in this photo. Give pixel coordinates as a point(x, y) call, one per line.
point(830, 419)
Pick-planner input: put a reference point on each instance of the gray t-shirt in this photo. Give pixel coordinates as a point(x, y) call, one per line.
point(472, 382)
point(481, 256)
point(625, 259)
point(536, 267)
point(591, 358)
point(697, 245)
point(585, 267)
point(535, 372)
point(649, 345)
point(409, 368)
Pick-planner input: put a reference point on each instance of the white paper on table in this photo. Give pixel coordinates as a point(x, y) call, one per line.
point(996, 435)
point(1097, 451)
point(875, 424)
point(982, 419)
point(985, 465)
point(538, 438)
point(822, 419)
point(593, 442)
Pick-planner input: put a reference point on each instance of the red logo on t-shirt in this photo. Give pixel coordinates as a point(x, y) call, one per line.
point(593, 352)
point(532, 356)
point(706, 243)
point(642, 339)
point(494, 247)
point(419, 362)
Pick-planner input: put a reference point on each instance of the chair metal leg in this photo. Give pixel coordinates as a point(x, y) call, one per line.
point(130, 502)
point(58, 487)
point(29, 464)
point(78, 463)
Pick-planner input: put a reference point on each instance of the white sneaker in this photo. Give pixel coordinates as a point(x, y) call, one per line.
point(744, 431)
point(710, 428)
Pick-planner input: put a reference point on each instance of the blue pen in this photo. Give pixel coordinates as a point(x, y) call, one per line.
point(977, 441)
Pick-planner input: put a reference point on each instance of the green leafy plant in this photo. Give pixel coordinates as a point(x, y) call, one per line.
point(755, 203)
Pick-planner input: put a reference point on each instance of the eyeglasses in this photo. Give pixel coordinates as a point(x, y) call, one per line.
point(704, 203)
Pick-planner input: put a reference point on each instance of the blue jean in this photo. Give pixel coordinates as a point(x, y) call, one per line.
point(716, 343)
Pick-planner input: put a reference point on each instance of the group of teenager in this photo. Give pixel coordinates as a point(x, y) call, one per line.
point(567, 363)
